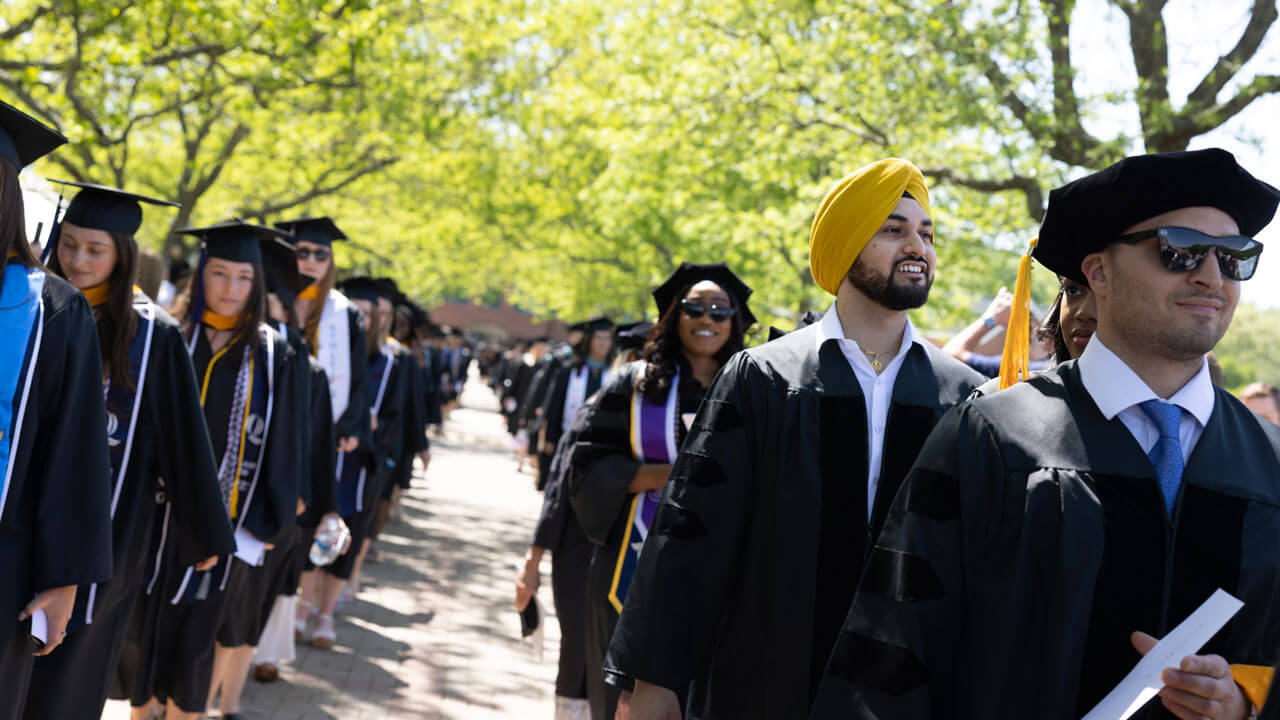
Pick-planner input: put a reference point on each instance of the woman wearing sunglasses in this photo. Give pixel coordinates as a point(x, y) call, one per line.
point(630, 434)
point(331, 325)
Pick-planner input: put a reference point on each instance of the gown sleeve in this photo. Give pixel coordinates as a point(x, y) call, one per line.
point(324, 449)
point(691, 555)
point(275, 502)
point(557, 512)
point(186, 461)
point(69, 461)
point(355, 419)
point(302, 381)
point(553, 407)
point(601, 465)
point(909, 613)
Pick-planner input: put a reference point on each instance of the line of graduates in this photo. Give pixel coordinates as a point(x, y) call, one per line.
point(846, 522)
point(165, 471)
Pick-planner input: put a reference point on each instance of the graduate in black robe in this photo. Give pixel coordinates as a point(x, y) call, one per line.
point(1045, 525)
point(334, 331)
point(55, 496)
point(788, 472)
point(161, 461)
point(247, 382)
point(389, 372)
point(630, 435)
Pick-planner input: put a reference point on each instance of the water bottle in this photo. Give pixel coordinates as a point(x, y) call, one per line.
point(331, 539)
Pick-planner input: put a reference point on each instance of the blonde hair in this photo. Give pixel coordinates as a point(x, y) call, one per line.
point(311, 323)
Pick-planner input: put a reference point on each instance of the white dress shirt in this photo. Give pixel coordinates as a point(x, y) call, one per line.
point(877, 390)
point(1117, 390)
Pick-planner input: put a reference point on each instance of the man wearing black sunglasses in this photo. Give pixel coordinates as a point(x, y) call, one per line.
point(1049, 533)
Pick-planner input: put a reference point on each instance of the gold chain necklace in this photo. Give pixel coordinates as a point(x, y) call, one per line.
point(874, 357)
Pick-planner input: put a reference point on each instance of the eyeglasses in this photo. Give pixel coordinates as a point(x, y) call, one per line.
point(319, 254)
point(696, 310)
point(1182, 250)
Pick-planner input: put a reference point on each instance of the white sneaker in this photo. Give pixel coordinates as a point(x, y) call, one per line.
point(323, 637)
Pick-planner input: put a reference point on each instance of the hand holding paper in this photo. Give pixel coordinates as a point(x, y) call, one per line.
point(1201, 687)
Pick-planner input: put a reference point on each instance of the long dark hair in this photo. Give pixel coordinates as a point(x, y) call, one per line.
point(117, 322)
point(13, 226)
point(664, 353)
point(253, 315)
point(1052, 328)
point(582, 350)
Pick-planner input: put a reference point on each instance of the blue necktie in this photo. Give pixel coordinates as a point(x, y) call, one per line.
point(1166, 455)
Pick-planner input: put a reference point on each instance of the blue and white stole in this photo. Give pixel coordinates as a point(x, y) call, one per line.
point(247, 439)
point(655, 438)
point(123, 408)
point(21, 314)
point(352, 474)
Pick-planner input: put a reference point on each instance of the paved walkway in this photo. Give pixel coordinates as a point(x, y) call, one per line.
point(434, 634)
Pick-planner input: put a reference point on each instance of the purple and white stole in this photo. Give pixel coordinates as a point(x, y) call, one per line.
point(654, 439)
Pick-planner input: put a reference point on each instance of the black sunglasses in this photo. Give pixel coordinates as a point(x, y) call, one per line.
point(1182, 250)
point(319, 254)
point(695, 310)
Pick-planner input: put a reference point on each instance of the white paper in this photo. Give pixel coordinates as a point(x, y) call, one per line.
point(1143, 682)
point(249, 548)
point(40, 626)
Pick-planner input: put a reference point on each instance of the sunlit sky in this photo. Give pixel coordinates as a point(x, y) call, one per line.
point(1199, 32)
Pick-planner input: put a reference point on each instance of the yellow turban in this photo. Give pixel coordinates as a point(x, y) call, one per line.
point(852, 212)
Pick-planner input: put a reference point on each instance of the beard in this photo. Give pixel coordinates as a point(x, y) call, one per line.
point(883, 288)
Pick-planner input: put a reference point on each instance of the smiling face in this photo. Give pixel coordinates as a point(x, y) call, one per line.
point(1173, 315)
point(895, 269)
point(87, 257)
point(227, 285)
point(704, 336)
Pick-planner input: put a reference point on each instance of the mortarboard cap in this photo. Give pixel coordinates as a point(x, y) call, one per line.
point(320, 230)
point(23, 139)
point(99, 207)
point(633, 336)
point(688, 274)
point(280, 269)
point(235, 240)
point(1091, 213)
point(363, 288)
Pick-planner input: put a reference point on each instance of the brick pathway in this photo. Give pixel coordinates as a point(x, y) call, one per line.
point(433, 634)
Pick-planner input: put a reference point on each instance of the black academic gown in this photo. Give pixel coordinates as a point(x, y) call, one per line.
point(169, 442)
point(559, 532)
point(763, 529)
point(599, 469)
point(414, 424)
point(391, 437)
point(173, 642)
point(1031, 539)
point(55, 529)
point(354, 420)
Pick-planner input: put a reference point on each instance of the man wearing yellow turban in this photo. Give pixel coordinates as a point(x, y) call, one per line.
point(786, 476)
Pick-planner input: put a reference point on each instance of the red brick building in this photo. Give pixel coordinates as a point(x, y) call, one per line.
point(500, 323)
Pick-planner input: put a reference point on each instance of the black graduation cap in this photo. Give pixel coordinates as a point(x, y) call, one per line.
point(364, 288)
point(280, 269)
point(665, 295)
point(234, 240)
point(23, 139)
point(320, 230)
point(808, 318)
point(106, 208)
point(633, 336)
point(595, 324)
point(1091, 213)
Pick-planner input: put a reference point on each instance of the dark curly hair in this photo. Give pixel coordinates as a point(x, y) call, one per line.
point(663, 353)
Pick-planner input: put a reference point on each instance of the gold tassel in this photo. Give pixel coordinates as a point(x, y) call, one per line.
point(1016, 360)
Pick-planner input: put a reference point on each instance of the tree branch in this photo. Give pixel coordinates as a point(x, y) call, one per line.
point(320, 189)
point(1260, 20)
point(26, 23)
point(1022, 183)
